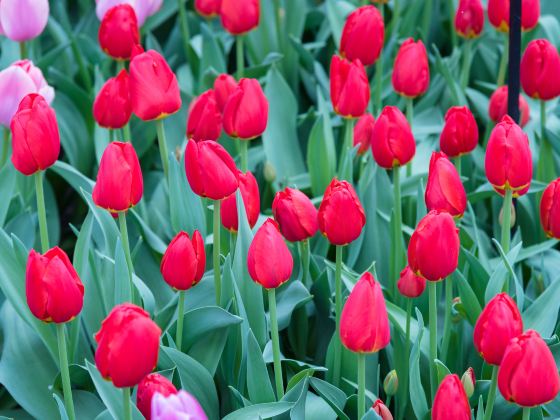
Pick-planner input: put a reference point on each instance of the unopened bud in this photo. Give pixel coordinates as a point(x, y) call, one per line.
point(468, 380)
point(391, 383)
point(512, 219)
point(269, 172)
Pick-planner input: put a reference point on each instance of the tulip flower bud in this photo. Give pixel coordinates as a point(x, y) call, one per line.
point(498, 14)
point(35, 136)
point(457, 310)
point(469, 19)
point(451, 401)
point(112, 108)
point(363, 133)
point(444, 190)
point(224, 86)
point(246, 111)
point(210, 169)
point(184, 260)
point(207, 8)
point(512, 216)
point(204, 121)
point(349, 87)
point(392, 143)
point(150, 385)
point(296, 215)
point(540, 67)
point(119, 183)
point(269, 172)
point(363, 35)
point(364, 323)
point(238, 18)
point(341, 216)
point(23, 20)
point(53, 289)
point(497, 324)
point(508, 161)
point(269, 260)
point(497, 107)
point(177, 406)
point(550, 209)
point(391, 383)
point(410, 284)
point(127, 345)
point(433, 250)
point(468, 380)
point(251, 201)
point(142, 8)
point(118, 32)
point(382, 410)
point(154, 90)
point(460, 132)
point(411, 71)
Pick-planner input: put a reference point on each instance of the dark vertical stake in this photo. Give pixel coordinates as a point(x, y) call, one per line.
point(514, 58)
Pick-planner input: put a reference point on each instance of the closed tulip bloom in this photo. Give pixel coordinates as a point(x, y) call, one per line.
point(363, 133)
point(208, 8)
point(364, 323)
point(433, 250)
point(341, 216)
point(224, 86)
point(179, 406)
point(246, 111)
point(35, 136)
point(444, 190)
point(53, 289)
point(204, 121)
point(469, 381)
point(349, 87)
point(269, 260)
point(154, 90)
point(410, 284)
point(460, 132)
point(184, 260)
point(540, 67)
point(23, 20)
point(239, 17)
point(411, 71)
point(508, 161)
point(150, 385)
point(498, 14)
point(451, 401)
point(119, 183)
point(498, 106)
point(469, 19)
point(112, 108)
point(381, 410)
point(118, 32)
point(392, 142)
point(296, 215)
point(550, 209)
point(143, 8)
point(251, 201)
point(498, 323)
point(363, 35)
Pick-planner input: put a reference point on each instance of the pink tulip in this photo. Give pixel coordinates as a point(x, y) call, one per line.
point(176, 407)
point(143, 8)
point(23, 20)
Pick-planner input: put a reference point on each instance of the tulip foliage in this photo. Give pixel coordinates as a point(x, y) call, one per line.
point(279, 209)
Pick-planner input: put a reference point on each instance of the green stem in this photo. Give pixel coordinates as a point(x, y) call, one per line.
point(5, 147)
point(410, 110)
point(127, 409)
point(447, 321)
point(526, 413)
point(305, 257)
point(338, 311)
point(240, 56)
point(244, 152)
point(180, 316)
point(465, 72)
point(216, 252)
point(41, 211)
point(163, 148)
point(126, 248)
point(86, 78)
point(184, 26)
point(348, 134)
point(275, 344)
point(397, 235)
point(432, 287)
point(65, 372)
point(406, 349)
point(506, 220)
point(388, 401)
point(426, 20)
point(458, 162)
point(278, 22)
point(503, 62)
point(543, 121)
point(451, 8)
point(361, 384)
point(22, 50)
point(491, 394)
point(127, 136)
point(379, 73)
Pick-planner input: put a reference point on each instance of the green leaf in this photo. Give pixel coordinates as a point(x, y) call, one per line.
point(122, 283)
point(468, 298)
point(7, 184)
point(542, 315)
point(258, 381)
point(260, 411)
point(442, 370)
point(295, 295)
point(499, 276)
point(332, 395)
point(417, 394)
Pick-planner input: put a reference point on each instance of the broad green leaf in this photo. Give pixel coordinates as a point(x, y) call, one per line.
point(258, 381)
point(417, 394)
point(260, 411)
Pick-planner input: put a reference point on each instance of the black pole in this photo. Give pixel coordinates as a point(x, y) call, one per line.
point(514, 58)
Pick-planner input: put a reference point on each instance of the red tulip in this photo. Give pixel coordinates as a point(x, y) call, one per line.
point(540, 67)
point(184, 260)
point(251, 200)
point(498, 14)
point(497, 108)
point(508, 161)
point(349, 87)
point(35, 137)
point(451, 401)
point(363, 133)
point(296, 215)
point(204, 121)
point(469, 381)
point(154, 90)
point(381, 410)
point(246, 111)
point(444, 190)
point(224, 86)
point(127, 345)
point(550, 209)
point(469, 19)
point(53, 289)
point(269, 260)
point(118, 32)
point(208, 8)
point(240, 17)
point(411, 71)
point(410, 284)
point(433, 250)
point(150, 385)
point(210, 169)
point(392, 142)
point(112, 108)
point(363, 35)
point(341, 216)
point(460, 132)
point(498, 323)
point(364, 323)
point(119, 183)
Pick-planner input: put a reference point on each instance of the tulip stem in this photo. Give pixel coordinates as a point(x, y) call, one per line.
point(65, 372)
point(447, 320)
point(543, 121)
point(410, 110)
point(458, 161)
point(239, 55)
point(526, 413)
point(491, 394)
point(397, 234)
point(22, 50)
point(41, 211)
point(5, 147)
point(451, 7)
point(465, 73)
point(506, 220)
point(428, 8)
point(275, 343)
point(406, 351)
point(338, 311)
point(503, 63)
point(163, 148)
point(348, 134)
point(361, 384)
point(244, 152)
point(432, 288)
point(126, 248)
point(305, 257)
point(180, 316)
point(184, 27)
point(127, 409)
point(216, 252)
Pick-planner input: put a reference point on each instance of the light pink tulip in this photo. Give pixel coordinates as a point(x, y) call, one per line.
point(23, 20)
point(143, 8)
point(178, 406)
